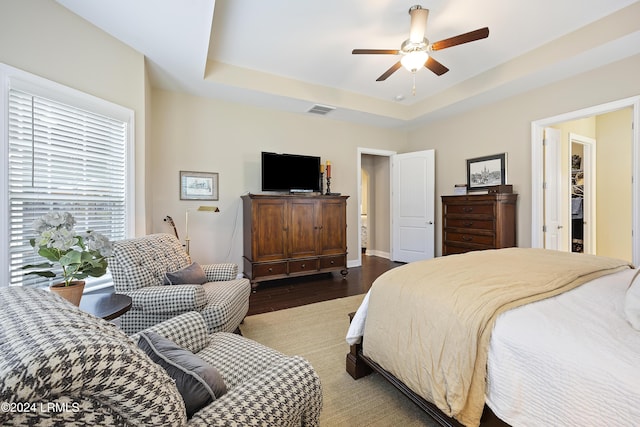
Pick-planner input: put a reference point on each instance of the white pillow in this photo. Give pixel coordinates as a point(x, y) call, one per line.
point(632, 302)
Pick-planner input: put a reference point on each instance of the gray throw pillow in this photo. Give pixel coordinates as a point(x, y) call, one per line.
point(198, 382)
point(191, 275)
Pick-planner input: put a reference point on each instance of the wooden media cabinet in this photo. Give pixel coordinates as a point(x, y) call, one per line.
point(293, 235)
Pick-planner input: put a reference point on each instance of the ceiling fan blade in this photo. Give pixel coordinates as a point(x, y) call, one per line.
point(375, 51)
point(471, 36)
point(390, 71)
point(435, 66)
point(418, 23)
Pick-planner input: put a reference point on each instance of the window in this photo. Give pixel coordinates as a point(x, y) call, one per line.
point(63, 157)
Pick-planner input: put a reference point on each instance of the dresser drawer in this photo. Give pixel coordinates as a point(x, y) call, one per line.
point(452, 249)
point(302, 265)
point(339, 261)
point(478, 239)
point(269, 269)
point(469, 223)
point(470, 209)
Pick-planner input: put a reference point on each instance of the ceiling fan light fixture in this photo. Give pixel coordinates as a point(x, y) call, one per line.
point(414, 60)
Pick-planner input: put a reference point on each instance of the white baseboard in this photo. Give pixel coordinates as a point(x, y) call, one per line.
point(353, 263)
point(381, 254)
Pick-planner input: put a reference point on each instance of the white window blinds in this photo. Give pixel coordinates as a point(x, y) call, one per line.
point(62, 158)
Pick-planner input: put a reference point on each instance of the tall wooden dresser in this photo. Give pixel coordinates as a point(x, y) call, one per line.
point(291, 235)
point(478, 221)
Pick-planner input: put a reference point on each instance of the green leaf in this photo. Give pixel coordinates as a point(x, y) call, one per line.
point(41, 273)
point(41, 265)
point(49, 253)
point(80, 275)
point(70, 258)
point(96, 271)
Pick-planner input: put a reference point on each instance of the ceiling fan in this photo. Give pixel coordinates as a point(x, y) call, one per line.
point(415, 50)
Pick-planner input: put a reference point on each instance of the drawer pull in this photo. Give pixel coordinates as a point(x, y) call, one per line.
point(332, 262)
point(468, 224)
point(270, 270)
point(467, 209)
point(467, 238)
point(302, 266)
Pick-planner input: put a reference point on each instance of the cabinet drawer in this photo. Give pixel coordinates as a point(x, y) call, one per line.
point(333, 262)
point(269, 269)
point(303, 265)
point(470, 238)
point(470, 223)
point(478, 208)
point(452, 249)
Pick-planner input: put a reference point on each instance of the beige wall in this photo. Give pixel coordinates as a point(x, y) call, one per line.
point(613, 186)
point(505, 126)
point(199, 134)
point(45, 39)
point(180, 132)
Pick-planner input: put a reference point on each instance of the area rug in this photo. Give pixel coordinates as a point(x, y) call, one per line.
point(317, 332)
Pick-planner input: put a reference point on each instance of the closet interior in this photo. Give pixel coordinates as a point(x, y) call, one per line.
point(577, 205)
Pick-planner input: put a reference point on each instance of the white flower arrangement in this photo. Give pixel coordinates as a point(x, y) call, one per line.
point(79, 254)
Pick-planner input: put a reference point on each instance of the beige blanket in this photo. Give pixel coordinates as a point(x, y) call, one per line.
point(429, 322)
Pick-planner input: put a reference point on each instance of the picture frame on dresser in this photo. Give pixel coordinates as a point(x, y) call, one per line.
point(485, 172)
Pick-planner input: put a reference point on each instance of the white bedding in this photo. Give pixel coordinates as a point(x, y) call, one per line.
point(569, 360)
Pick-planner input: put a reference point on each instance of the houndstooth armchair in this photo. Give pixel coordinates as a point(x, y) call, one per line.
point(60, 366)
point(139, 266)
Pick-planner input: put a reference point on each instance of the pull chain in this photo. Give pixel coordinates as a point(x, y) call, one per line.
point(413, 91)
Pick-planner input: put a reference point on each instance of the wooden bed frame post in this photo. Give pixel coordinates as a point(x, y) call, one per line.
point(356, 367)
point(359, 365)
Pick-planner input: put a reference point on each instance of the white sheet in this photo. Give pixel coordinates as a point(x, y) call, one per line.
point(356, 328)
point(570, 360)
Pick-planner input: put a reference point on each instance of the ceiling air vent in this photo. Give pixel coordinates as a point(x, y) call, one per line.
point(321, 109)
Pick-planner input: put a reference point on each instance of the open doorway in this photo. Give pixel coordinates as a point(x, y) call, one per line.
point(374, 202)
point(612, 219)
point(582, 195)
point(397, 221)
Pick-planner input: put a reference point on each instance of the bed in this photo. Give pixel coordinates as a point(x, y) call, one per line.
point(535, 337)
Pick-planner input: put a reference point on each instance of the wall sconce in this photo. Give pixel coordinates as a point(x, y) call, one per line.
point(187, 240)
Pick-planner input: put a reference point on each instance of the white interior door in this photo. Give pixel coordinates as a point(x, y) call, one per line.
point(553, 226)
point(412, 205)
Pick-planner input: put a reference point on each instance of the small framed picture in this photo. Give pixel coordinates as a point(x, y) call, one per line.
point(198, 185)
point(485, 172)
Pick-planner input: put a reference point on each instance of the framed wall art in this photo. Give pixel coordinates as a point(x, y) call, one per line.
point(485, 172)
point(198, 185)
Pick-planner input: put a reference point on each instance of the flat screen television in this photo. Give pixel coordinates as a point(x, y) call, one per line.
point(290, 172)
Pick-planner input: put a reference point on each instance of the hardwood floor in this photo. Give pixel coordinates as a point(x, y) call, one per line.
point(286, 293)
